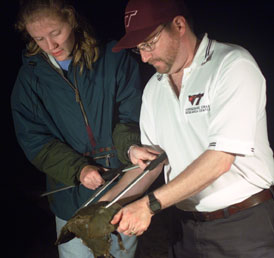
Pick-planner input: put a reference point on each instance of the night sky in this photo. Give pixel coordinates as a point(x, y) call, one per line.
point(238, 22)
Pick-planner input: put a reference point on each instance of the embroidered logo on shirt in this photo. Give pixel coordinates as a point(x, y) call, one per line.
point(195, 102)
point(197, 97)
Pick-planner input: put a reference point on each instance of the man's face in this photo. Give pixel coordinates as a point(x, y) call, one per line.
point(53, 36)
point(163, 56)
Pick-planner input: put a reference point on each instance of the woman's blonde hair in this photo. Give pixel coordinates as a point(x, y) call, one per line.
point(85, 51)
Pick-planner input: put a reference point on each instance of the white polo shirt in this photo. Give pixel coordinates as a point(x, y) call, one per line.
point(221, 107)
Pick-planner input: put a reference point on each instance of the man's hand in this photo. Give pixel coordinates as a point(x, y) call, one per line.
point(141, 155)
point(90, 177)
point(133, 219)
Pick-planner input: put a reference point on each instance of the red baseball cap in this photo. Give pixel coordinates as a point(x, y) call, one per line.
point(142, 17)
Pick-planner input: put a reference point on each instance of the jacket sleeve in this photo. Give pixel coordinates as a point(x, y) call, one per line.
point(125, 135)
point(128, 99)
point(40, 146)
point(60, 162)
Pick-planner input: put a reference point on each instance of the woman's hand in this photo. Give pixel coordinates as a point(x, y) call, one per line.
point(90, 177)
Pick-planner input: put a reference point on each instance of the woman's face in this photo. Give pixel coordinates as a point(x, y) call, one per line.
point(53, 36)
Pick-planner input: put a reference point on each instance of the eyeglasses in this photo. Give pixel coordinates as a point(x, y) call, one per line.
point(150, 45)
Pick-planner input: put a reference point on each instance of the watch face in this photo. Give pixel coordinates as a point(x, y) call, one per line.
point(155, 207)
point(154, 204)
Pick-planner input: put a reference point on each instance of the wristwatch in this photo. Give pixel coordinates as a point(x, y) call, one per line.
point(154, 204)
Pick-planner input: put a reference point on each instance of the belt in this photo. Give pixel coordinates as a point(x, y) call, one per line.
point(252, 201)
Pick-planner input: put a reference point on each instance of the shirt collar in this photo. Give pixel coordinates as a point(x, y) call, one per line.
point(53, 61)
point(202, 56)
point(204, 52)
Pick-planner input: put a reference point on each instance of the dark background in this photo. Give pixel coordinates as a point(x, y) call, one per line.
point(26, 220)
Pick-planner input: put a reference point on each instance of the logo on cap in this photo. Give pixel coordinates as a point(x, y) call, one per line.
point(128, 16)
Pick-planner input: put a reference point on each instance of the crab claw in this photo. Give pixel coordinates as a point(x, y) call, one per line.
point(64, 236)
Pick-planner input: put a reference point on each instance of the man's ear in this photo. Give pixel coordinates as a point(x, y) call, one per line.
point(179, 23)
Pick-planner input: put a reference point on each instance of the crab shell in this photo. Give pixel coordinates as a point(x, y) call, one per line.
point(92, 225)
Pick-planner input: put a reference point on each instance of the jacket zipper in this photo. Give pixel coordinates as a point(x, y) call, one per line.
point(77, 98)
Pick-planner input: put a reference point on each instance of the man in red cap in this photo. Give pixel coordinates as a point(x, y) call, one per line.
point(205, 107)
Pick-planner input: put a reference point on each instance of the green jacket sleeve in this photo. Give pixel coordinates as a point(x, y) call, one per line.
point(57, 156)
point(124, 135)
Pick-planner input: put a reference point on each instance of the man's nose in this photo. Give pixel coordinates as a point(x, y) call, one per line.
point(145, 56)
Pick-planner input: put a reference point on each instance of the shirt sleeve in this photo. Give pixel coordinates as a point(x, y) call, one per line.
point(238, 104)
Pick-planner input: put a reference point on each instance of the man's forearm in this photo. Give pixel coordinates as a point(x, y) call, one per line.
point(135, 191)
point(196, 177)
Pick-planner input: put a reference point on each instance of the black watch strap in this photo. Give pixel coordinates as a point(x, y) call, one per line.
point(154, 204)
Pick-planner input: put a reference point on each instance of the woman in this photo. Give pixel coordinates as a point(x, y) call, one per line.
point(75, 107)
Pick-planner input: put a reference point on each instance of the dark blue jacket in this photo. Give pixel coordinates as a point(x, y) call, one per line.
point(51, 128)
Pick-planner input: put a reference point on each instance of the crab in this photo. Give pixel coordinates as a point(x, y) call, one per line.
point(92, 225)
